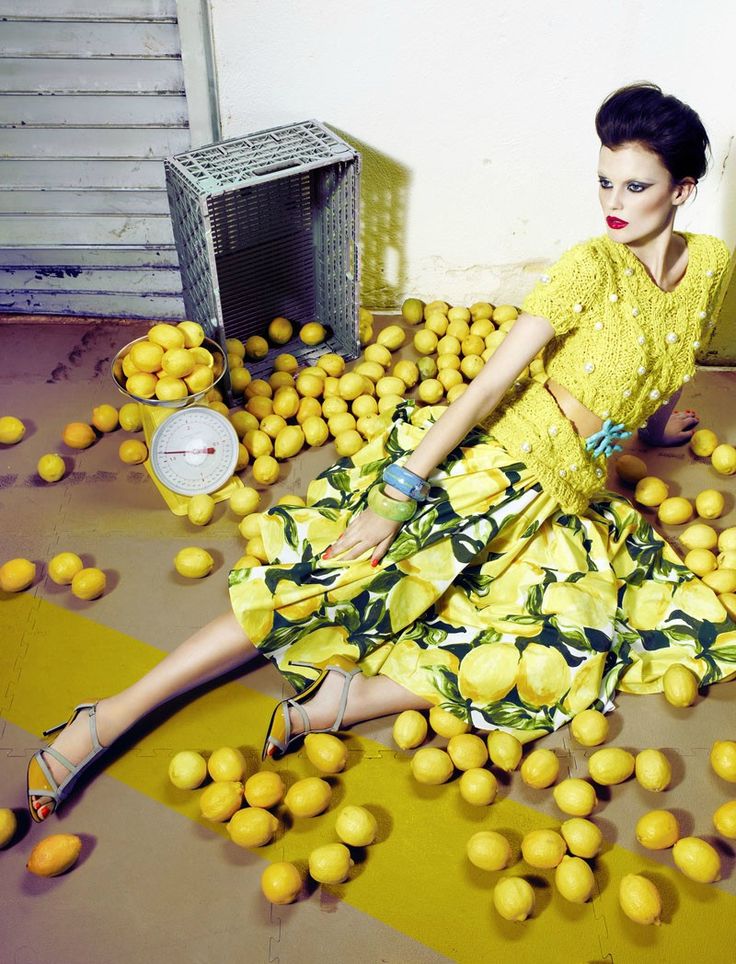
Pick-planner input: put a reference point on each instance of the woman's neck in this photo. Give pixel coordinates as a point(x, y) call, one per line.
point(664, 257)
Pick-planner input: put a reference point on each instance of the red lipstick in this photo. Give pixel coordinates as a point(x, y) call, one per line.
point(616, 223)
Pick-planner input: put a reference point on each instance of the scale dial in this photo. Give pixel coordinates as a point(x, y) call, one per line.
point(194, 450)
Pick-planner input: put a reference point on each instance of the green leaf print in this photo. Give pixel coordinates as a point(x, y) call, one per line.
point(508, 714)
point(291, 536)
point(237, 576)
point(340, 480)
point(529, 532)
point(445, 682)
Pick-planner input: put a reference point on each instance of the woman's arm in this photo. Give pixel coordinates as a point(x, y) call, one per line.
point(668, 427)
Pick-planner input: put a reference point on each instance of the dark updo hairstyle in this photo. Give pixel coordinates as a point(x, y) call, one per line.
point(662, 123)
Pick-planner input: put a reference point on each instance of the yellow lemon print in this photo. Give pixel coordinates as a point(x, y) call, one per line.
point(488, 672)
point(543, 675)
point(409, 599)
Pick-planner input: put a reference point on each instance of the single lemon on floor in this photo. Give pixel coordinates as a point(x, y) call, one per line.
point(574, 880)
point(280, 330)
point(8, 826)
point(12, 430)
point(129, 417)
point(410, 729)
point(640, 899)
point(281, 883)
point(478, 787)
point(200, 509)
point(675, 511)
point(326, 752)
point(89, 583)
point(193, 562)
point(330, 864)
point(651, 491)
point(256, 347)
point(699, 536)
point(540, 769)
point(489, 850)
point(724, 819)
point(703, 442)
point(611, 765)
point(264, 789)
point(392, 337)
point(723, 459)
point(356, 826)
point(589, 728)
point(63, 567)
point(54, 855)
point(445, 723)
point(701, 561)
point(133, 452)
point(543, 849)
point(313, 333)
point(226, 764)
point(265, 469)
point(575, 796)
point(513, 898)
point(78, 435)
point(723, 759)
point(412, 311)
point(432, 766)
point(219, 801)
point(187, 769)
point(17, 575)
point(289, 442)
point(252, 827)
point(630, 468)
point(244, 501)
point(583, 837)
point(105, 418)
point(680, 685)
point(308, 797)
point(697, 859)
point(709, 504)
point(467, 751)
point(51, 467)
point(657, 830)
point(653, 770)
point(504, 750)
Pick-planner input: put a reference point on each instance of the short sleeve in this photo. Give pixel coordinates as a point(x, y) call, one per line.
point(566, 289)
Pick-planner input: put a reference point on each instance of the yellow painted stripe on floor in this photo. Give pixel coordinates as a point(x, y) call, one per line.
point(416, 877)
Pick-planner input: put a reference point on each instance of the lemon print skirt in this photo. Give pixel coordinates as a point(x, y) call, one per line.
point(491, 602)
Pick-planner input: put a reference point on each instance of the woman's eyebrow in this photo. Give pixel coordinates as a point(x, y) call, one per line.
point(631, 180)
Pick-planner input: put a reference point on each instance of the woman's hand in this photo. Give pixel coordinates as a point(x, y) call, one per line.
point(366, 531)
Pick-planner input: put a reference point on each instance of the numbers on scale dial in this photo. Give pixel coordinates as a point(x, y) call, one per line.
point(194, 450)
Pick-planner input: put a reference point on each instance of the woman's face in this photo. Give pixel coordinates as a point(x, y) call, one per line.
point(637, 194)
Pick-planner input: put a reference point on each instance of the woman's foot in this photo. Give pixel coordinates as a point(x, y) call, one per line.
point(322, 708)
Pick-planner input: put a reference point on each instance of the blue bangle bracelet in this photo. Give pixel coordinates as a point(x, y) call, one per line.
point(406, 482)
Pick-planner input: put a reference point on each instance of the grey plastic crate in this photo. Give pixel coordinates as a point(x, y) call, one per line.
point(267, 225)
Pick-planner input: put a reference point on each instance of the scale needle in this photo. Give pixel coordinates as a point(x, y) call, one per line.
point(207, 451)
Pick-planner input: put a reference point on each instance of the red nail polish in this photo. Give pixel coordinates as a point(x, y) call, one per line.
point(44, 811)
point(374, 562)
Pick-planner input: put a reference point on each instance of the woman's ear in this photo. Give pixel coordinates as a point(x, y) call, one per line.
point(683, 190)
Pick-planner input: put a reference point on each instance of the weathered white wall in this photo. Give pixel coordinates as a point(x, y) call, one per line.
point(476, 118)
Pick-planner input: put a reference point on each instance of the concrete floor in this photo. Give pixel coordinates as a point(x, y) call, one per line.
point(156, 883)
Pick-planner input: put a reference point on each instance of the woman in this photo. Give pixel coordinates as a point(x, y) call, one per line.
point(470, 556)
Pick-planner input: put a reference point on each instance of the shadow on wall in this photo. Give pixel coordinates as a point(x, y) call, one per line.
point(384, 189)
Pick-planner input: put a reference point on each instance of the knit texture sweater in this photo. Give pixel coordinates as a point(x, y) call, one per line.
point(622, 347)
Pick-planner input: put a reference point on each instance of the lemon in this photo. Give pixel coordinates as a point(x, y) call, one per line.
point(244, 422)
point(193, 333)
point(727, 560)
point(728, 601)
point(247, 562)
point(280, 330)
point(727, 539)
point(203, 356)
point(582, 837)
point(407, 371)
point(630, 468)
point(219, 801)
point(724, 819)
point(167, 336)
point(392, 337)
point(313, 333)
point(200, 509)
point(17, 575)
point(489, 850)
point(365, 332)
point(234, 346)
point(350, 386)
point(611, 765)
point(89, 583)
point(390, 385)
point(445, 723)
point(178, 362)
point(699, 536)
point(431, 390)
point(540, 769)
point(78, 435)
point(348, 443)
point(709, 504)
point(363, 405)
point(8, 826)
point(513, 898)
point(437, 305)
point(240, 379)
point(142, 385)
point(234, 361)
point(697, 859)
point(12, 430)
point(721, 581)
point(639, 899)
point(187, 769)
point(432, 766)
point(703, 442)
point(723, 759)
point(54, 855)
point(589, 728)
point(574, 880)
point(504, 750)
point(63, 567)
point(308, 797)
point(467, 751)
point(657, 830)
point(129, 417)
point(289, 442)
point(723, 459)
point(356, 826)
point(256, 347)
point(281, 883)
point(252, 827)
point(449, 345)
point(200, 380)
point(436, 322)
point(425, 342)
point(653, 770)
point(265, 470)
point(133, 452)
point(478, 787)
point(471, 366)
point(51, 467)
point(504, 313)
point(428, 367)
point(449, 378)
point(257, 443)
point(250, 525)
point(651, 491)
point(701, 561)
point(292, 500)
point(315, 431)
point(388, 403)
point(226, 764)
point(481, 310)
point(680, 685)
point(410, 729)
point(193, 562)
point(372, 370)
point(264, 789)
point(675, 511)
point(330, 864)
point(147, 356)
point(244, 501)
point(575, 796)
point(169, 389)
point(105, 418)
point(543, 849)
point(326, 752)
point(412, 311)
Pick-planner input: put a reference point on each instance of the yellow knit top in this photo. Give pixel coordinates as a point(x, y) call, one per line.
point(623, 346)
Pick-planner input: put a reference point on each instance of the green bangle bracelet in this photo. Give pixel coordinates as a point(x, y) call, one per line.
point(388, 508)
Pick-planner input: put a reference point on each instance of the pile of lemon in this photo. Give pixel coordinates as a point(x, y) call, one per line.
point(170, 363)
point(568, 849)
point(65, 569)
point(259, 821)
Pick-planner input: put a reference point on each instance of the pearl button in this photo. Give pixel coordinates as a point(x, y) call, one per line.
point(696, 344)
point(641, 339)
point(703, 315)
point(598, 326)
point(711, 324)
point(545, 279)
point(577, 309)
point(654, 393)
point(642, 370)
point(627, 393)
point(634, 312)
point(574, 467)
point(671, 337)
point(589, 367)
point(709, 273)
point(563, 473)
point(526, 447)
point(628, 272)
point(599, 473)
point(553, 430)
point(605, 414)
point(613, 297)
point(686, 378)
point(643, 425)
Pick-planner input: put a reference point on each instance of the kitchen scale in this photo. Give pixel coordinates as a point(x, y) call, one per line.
point(191, 448)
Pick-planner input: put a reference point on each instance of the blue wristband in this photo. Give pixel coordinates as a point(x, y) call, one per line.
point(407, 482)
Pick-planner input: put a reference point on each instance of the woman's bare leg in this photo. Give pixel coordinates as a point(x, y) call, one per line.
point(212, 651)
